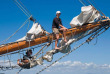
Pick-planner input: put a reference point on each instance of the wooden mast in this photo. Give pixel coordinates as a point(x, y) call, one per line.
point(24, 44)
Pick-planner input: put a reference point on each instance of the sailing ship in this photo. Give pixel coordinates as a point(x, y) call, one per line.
point(90, 22)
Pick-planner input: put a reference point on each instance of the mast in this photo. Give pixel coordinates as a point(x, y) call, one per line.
point(10, 47)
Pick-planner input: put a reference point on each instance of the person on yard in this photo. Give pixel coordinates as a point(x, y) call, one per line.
point(57, 26)
point(25, 61)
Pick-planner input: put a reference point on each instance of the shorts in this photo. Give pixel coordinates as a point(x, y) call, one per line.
point(55, 30)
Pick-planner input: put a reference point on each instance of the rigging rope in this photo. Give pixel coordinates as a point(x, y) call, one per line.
point(23, 23)
point(100, 29)
point(81, 1)
point(48, 44)
point(19, 50)
point(97, 7)
point(40, 50)
point(14, 33)
point(88, 40)
point(28, 26)
point(16, 67)
point(22, 50)
point(26, 13)
point(52, 34)
point(8, 68)
point(94, 7)
point(8, 57)
point(23, 9)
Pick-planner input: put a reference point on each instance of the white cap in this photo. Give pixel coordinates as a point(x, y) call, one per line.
point(58, 12)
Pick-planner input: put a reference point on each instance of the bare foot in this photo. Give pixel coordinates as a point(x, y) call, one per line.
point(57, 48)
point(65, 41)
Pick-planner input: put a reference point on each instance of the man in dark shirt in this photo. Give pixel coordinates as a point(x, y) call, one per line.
point(56, 26)
point(25, 61)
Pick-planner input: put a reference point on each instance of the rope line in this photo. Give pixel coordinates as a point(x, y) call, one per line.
point(52, 34)
point(94, 35)
point(15, 32)
point(97, 7)
point(88, 40)
point(23, 9)
point(94, 7)
point(81, 1)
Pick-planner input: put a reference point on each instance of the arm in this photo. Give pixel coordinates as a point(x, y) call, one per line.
point(62, 26)
point(25, 61)
point(59, 23)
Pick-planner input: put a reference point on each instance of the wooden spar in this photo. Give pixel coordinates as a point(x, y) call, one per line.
point(24, 44)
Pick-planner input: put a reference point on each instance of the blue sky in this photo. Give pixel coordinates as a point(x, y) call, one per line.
point(44, 11)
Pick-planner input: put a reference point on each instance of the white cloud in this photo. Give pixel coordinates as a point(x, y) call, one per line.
point(77, 67)
point(69, 67)
point(7, 63)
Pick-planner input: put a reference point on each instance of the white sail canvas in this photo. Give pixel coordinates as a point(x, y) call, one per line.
point(88, 15)
point(33, 32)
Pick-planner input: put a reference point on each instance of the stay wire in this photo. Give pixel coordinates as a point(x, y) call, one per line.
point(83, 2)
point(96, 6)
point(86, 40)
point(19, 50)
point(24, 11)
point(28, 26)
point(25, 7)
point(14, 33)
point(22, 50)
point(80, 37)
point(53, 62)
point(12, 53)
point(8, 57)
point(38, 53)
point(68, 53)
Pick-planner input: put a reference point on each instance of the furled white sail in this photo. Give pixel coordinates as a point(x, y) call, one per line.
point(34, 32)
point(88, 15)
